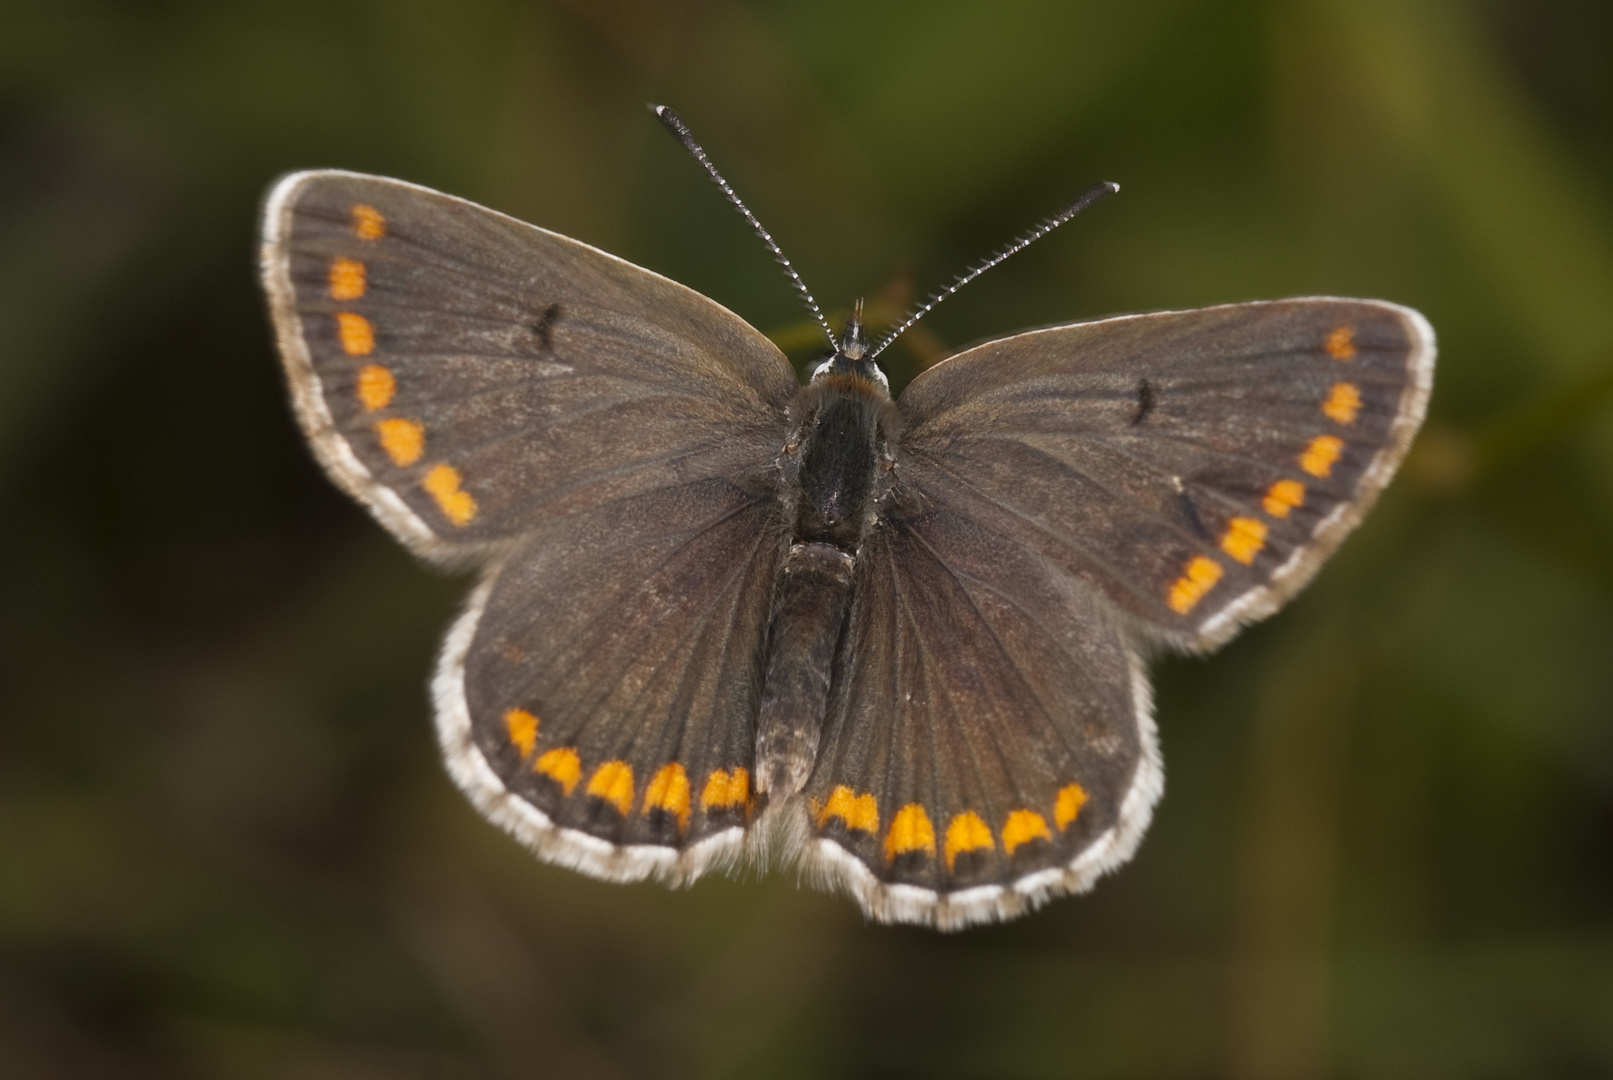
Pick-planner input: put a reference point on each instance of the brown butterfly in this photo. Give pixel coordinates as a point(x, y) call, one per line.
point(901, 640)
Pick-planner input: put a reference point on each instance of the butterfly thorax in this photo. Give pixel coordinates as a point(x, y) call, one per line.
point(841, 442)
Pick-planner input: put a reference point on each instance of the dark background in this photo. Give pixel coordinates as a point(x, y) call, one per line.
point(226, 845)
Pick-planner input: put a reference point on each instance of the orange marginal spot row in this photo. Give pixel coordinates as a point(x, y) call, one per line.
point(1245, 537)
point(613, 780)
point(404, 440)
point(669, 790)
point(911, 829)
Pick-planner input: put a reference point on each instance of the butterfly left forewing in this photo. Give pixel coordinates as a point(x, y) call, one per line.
point(1193, 467)
point(465, 374)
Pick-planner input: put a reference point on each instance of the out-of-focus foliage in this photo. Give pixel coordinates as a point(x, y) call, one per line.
point(226, 846)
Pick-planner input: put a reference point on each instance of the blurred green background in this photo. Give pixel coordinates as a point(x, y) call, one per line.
point(226, 845)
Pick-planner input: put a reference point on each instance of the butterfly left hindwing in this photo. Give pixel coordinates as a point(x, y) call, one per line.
point(599, 696)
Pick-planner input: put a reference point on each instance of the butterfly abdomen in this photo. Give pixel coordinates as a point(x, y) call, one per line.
point(810, 603)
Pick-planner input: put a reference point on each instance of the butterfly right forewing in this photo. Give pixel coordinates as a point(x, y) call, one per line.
point(1194, 467)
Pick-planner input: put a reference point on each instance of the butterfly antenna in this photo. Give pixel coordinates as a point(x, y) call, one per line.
point(676, 125)
point(1017, 245)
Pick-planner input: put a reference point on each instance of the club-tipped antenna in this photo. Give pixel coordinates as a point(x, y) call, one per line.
point(1014, 247)
point(676, 125)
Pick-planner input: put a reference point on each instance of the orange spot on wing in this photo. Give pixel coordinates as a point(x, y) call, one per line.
point(375, 387)
point(561, 765)
point(442, 484)
point(1343, 403)
point(368, 222)
point(1022, 827)
point(346, 279)
point(726, 790)
point(1282, 497)
point(355, 333)
point(1198, 578)
point(857, 811)
point(966, 832)
point(1067, 805)
point(1341, 344)
point(669, 790)
point(1320, 455)
point(403, 440)
point(613, 782)
point(910, 831)
point(1244, 538)
point(523, 731)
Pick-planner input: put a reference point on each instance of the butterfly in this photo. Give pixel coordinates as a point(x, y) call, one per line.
point(724, 616)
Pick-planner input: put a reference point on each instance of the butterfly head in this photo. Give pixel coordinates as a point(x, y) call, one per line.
point(851, 356)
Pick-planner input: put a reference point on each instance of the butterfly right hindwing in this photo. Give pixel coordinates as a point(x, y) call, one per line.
point(990, 741)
